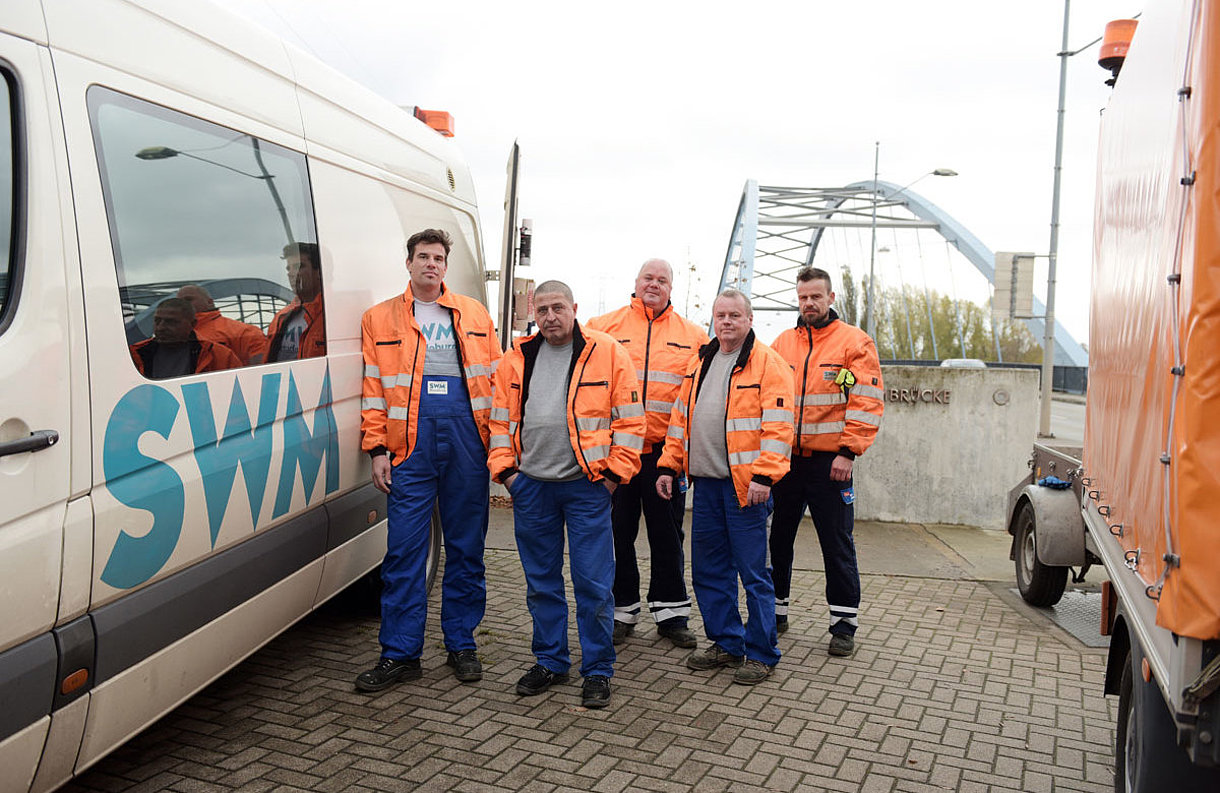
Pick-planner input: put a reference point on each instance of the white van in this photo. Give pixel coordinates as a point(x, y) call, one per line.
point(155, 530)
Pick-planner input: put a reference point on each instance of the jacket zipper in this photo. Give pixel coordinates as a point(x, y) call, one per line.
point(800, 416)
point(647, 355)
point(583, 364)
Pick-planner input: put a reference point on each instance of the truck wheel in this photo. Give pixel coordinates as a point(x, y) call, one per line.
point(1040, 585)
point(1147, 757)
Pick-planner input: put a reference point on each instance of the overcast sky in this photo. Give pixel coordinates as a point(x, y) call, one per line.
point(640, 122)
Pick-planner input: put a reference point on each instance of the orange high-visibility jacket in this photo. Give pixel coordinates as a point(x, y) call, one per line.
point(663, 347)
point(605, 416)
point(247, 341)
point(394, 351)
point(757, 421)
point(831, 418)
point(313, 340)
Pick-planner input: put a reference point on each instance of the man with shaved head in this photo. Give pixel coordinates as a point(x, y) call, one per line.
point(663, 347)
point(245, 340)
point(567, 427)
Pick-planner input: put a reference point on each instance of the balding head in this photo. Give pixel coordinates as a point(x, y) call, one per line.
point(198, 297)
point(654, 284)
point(555, 311)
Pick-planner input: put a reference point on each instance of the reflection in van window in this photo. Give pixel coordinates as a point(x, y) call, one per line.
point(8, 197)
point(214, 223)
point(299, 329)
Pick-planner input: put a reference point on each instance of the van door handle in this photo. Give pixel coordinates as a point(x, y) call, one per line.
point(40, 439)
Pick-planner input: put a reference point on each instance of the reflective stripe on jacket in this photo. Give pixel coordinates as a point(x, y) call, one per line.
point(604, 414)
point(313, 340)
point(394, 351)
point(831, 418)
point(758, 416)
point(663, 348)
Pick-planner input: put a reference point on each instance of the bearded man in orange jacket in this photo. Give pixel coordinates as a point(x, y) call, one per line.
point(838, 410)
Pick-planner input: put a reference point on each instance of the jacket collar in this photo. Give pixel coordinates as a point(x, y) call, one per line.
point(708, 352)
point(637, 305)
point(530, 345)
point(444, 298)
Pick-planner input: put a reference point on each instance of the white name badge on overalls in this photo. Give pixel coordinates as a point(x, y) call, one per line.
point(438, 387)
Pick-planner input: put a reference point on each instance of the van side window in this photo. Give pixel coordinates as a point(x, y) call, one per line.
point(214, 241)
point(8, 197)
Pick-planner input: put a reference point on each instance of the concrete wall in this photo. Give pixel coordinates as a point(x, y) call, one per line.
point(952, 443)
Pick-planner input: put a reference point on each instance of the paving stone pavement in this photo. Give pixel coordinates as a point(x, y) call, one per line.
point(951, 689)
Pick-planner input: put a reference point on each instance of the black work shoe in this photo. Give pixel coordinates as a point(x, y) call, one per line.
point(466, 666)
point(539, 679)
point(711, 658)
point(680, 635)
point(622, 630)
point(595, 693)
point(841, 645)
point(387, 672)
point(781, 624)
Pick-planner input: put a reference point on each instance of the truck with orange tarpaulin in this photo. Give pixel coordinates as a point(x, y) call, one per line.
point(1144, 497)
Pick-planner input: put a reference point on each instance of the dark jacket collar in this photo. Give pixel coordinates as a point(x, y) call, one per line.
point(708, 352)
point(529, 352)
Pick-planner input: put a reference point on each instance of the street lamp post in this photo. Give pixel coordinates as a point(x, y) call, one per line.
point(1048, 336)
point(870, 318)
point(165, 153)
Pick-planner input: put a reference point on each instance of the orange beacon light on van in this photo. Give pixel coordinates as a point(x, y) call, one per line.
point(439, 120)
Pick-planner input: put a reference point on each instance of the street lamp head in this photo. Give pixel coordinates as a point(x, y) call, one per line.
point(944, 172)
point(157, 153)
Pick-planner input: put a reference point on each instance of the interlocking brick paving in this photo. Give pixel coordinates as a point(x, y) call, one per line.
point(951, 689)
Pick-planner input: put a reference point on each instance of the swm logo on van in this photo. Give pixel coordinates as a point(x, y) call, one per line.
point(146, 483)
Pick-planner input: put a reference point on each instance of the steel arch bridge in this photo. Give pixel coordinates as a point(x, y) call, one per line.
point(779, 229)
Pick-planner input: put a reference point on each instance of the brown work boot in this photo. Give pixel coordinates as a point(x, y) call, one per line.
point(712, 657)
point(752, 673)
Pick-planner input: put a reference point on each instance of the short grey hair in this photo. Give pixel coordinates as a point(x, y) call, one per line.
point(736, 294)
point(668, 267)
point(555, 287)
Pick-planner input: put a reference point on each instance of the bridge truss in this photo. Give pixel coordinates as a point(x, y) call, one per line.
point(778, 230)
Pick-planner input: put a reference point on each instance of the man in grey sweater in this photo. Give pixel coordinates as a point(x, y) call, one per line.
point(567, 427)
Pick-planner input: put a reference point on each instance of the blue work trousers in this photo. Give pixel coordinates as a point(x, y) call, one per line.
point(447, 470)
point(540, 510)
point(730, 543)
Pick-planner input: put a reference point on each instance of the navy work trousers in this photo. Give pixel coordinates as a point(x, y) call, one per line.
point(668, 601)
point(446, 469)
point(830, 504)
